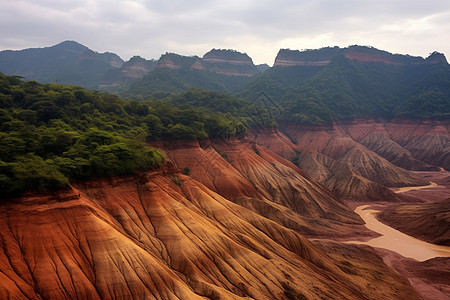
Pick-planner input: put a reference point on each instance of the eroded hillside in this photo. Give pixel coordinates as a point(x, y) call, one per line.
point(360, 160)
point(163, 235)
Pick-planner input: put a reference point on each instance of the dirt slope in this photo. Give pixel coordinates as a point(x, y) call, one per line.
point(262, 181)
point(168, 237)
point(429, 222)
point(338, 156)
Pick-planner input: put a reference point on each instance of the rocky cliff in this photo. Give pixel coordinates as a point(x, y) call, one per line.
point(224, 62)
point(230, 63)
point(323, 56)
point(137, 67)
point(265, 183)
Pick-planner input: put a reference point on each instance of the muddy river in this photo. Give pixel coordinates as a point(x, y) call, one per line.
point(414, 188)
point(397, 241)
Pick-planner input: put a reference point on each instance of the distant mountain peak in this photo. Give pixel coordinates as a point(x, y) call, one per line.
point(229, 56)
point(323, 56)
point(436, 58)
point(71, 45)
point(220, 61)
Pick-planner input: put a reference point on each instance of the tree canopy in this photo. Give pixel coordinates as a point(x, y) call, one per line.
point(53, 133)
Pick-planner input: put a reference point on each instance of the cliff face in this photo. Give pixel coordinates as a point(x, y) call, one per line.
point(224, 62)
point(165, 235)
point(265, 183)
point(322, 57)
point(230, 63)
point(289, 58)
point(137, 67)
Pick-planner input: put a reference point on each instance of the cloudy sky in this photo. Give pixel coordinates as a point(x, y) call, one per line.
point(260, 28)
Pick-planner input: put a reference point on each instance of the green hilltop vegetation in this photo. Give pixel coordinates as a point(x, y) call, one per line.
point(318, 94)
point(162, 81)
point(52, 133)
point(325, 86)
point(68, 62)
point(346, 89)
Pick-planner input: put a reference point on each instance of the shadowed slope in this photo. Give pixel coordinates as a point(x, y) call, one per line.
point(429, 222)
point(427, 141)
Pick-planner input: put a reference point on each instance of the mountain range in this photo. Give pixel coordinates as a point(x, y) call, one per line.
point(312, 86)
point(219, 179)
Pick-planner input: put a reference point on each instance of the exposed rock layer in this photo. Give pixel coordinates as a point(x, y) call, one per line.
point(168, 237)
point(359, 160)
point(224, 62)
point(323, 56)
point(235, 227)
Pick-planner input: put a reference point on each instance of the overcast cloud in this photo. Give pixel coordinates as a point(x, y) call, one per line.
point(259, 28)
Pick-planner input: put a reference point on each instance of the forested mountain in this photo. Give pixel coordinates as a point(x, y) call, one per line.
point(116, 79)
point(218, 70)
point(68, 63)
point(309, 87)
point(356, 82)
point(51, 133)
point(212, 179)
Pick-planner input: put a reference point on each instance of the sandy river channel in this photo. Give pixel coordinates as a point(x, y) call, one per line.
point(397, 241)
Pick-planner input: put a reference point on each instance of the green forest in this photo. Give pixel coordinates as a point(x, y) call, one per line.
point(51, 133)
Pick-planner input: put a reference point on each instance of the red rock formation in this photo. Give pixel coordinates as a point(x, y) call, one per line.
point(323, 56)
point(333, 156)
point(265, 183)
point(235, 227)
point(168, 63)
point(225, 62)
point(374, 57)
point(426, 141)
point(137, 67)
point(169, 237)
point(228, 56)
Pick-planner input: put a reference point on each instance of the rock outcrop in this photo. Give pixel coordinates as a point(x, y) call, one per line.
point(265, 183)
point(137, 67)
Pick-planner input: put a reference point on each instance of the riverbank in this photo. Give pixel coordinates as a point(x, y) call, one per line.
point(428, 276)
point(394, 240)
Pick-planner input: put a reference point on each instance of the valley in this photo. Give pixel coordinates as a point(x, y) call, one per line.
point(213, 178)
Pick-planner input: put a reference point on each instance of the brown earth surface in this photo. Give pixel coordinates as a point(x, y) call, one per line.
point(429, 221)
point(235, 225)
point(337, 157)
point(167, 236)
point(260, 180)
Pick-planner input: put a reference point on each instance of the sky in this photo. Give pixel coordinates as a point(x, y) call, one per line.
point(259, 28)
